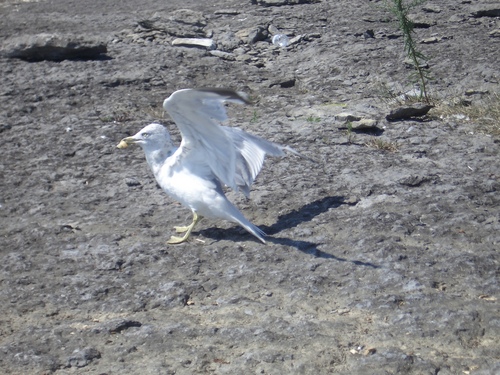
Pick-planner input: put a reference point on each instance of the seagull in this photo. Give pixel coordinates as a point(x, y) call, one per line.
point(210, 156)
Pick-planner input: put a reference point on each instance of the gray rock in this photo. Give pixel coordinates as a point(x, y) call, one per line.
point(227, 41)
point(421, 21)
point(431, 8)
point(495, 33)
point(409, 111)
point(416, 180)
point(253, 34)
point(411, 64)
point(273, 30)
point(364, 124)
point(347, 117)
point(486, 10)
point(54, 47)
point(227, 12)
point(195, 42)
point(82, 358)
point(285, 82)
point(223, 55)
point(457, 18)
point(295, 40)
point(470, 92)
point(431, 40)
point(131, 181)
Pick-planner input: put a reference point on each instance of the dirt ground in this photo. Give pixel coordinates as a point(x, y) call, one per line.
point(382, 257)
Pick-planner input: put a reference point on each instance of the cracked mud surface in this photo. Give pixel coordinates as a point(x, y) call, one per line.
point(377, 262)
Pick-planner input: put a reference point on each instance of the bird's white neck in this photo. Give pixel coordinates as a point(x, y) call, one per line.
point(156, 158)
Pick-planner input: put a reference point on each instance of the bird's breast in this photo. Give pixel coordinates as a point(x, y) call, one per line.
point(185, 184)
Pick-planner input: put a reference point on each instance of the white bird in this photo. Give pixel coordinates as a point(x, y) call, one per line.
point(210, 155)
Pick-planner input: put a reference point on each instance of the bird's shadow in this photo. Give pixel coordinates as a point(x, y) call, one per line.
point(290, 220)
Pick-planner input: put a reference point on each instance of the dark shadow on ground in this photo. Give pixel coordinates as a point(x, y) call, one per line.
point(375, 131)
point(303, 214)
point(290, 220)
point(312, 249)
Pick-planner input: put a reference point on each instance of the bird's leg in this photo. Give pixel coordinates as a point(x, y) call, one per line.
point(188, 229)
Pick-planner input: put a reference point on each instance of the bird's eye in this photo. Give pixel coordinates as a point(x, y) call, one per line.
point(145, 135)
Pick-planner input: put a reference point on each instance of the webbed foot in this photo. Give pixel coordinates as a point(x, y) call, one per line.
point(182, 229)
point(174, 240)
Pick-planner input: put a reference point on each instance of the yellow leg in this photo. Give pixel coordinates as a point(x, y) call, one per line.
point(188, 229)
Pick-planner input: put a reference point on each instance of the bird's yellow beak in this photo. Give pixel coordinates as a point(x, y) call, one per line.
point(125, 142)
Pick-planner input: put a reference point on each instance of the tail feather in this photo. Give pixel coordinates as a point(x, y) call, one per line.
point(234, 215)
point(253, 229)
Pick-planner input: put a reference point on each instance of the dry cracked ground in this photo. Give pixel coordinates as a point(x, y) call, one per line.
point(382, 255)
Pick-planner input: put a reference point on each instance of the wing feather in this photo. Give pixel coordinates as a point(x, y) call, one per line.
point(198, 114)
point(234, 156)
point(250, 153)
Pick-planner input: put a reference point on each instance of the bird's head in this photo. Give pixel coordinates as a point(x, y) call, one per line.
point(153, 136)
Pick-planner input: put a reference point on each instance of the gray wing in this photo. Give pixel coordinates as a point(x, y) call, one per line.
point(250, 153)
point(233, 155)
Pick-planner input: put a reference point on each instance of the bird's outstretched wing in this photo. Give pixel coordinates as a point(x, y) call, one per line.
point(233, 155)
point(250, 153)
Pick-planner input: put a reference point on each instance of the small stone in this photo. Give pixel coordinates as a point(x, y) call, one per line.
point(364, 124)
point(495, 33)
point(253, 34)
point(5, 127)
point(347, 117)
point(295, 40)
point(344, 311)
point(312, 36)
point(369, 34)
point(130, 181)
point(456, 18)
point(284, 83)
point(228, 12)
point(223, 55)
point(406, 112)
point(430, 40)
point(414, 180)
point(352, 200)
point(431, 9)
point(244, 58)
point(422, 22)
point(369, 351)
point(411, 64)
point(471, 92)
point(82, 358)
point(273, 30)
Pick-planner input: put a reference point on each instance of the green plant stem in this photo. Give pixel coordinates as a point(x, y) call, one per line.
point(406, 26)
